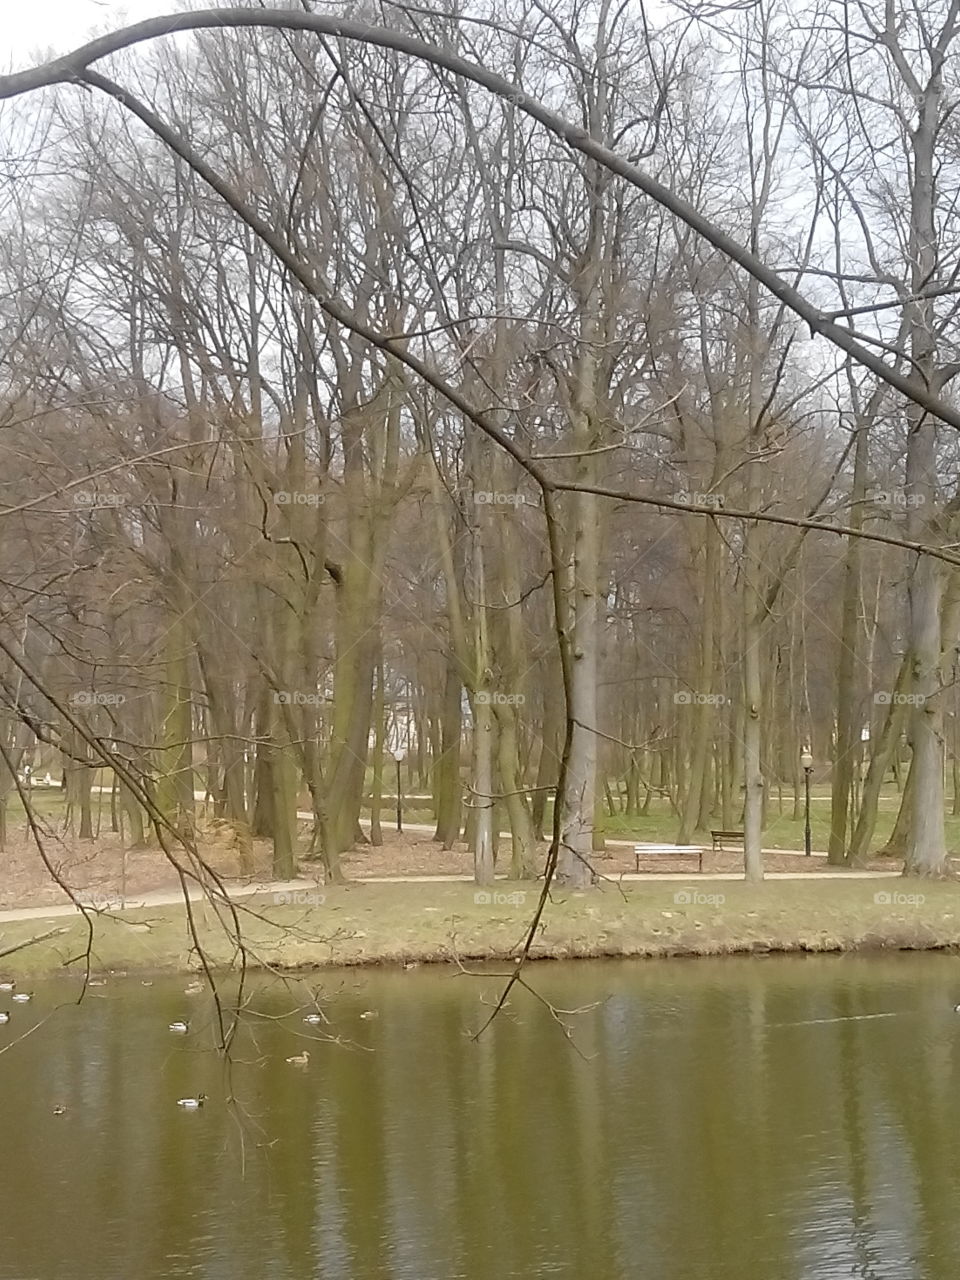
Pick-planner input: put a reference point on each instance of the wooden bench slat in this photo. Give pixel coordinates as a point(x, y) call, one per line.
point(718, 838)
point(680, 850)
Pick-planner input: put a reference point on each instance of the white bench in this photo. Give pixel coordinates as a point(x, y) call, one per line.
point(690, 850)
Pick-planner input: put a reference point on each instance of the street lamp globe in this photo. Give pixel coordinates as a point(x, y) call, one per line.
point(806, 759)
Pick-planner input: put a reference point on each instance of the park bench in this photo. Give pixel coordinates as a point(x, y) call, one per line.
point(730, 837)
point(678, 850)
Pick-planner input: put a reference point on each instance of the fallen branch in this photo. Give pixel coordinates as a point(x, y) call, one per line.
point(40, 937)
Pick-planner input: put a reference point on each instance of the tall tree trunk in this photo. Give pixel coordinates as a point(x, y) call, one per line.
point(446, 772)
point(482, 832)
point(926, 851)
point(883, 750)
point(548, 765)
point(175, 780)
point(379, 721)
point(896, 846)
point(524, 846)
point(848, 703)
point(703, 710)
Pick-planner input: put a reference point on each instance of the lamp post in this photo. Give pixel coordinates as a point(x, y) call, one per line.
point(806, 759)
point(398, 756)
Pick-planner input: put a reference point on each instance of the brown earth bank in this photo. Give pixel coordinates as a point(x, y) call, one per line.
point(103, 867)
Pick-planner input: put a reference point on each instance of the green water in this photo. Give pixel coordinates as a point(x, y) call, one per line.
point(711, 1126)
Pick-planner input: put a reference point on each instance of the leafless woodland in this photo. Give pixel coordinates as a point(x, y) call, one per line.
point(559, 394)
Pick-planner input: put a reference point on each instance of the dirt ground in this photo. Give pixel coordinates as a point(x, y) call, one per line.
point(418, 855)
point(102, 867)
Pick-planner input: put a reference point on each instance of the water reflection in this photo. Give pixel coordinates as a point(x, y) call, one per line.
point(734, 1119)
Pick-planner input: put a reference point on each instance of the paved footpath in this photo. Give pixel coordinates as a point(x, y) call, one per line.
point(303, 890)
point(306, 887)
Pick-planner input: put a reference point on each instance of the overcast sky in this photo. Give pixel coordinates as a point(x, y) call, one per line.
point(30, 27)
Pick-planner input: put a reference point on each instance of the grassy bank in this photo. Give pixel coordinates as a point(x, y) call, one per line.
point(391, 923)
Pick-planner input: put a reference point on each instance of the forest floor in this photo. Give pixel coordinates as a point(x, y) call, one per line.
point(363, 923)
point(103, 869)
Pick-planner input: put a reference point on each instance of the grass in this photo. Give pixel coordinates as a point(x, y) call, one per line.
point(659, 826)
point(781, 830)
point(392, 923)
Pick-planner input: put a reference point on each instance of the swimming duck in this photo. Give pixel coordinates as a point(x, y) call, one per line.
point(370, 1013)
point(194, 989)
point(314, 1019)
point(191, 1104)
point(180, 1027)
point(22, 997)
point(59, 1109)
point(4, 1016)
point(300, 1059)
point(7, 985)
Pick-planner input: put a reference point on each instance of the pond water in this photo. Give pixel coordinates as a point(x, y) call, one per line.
point(745, 1119)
